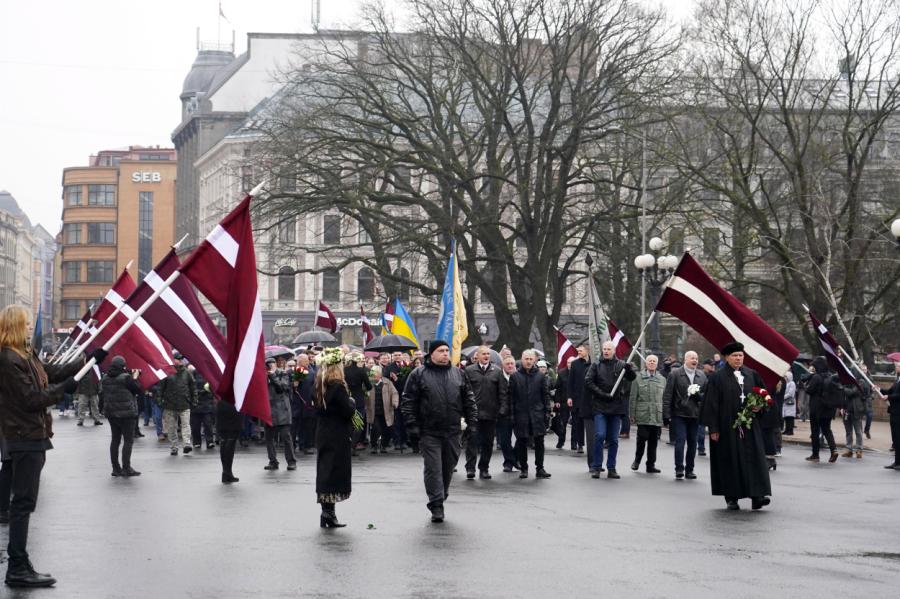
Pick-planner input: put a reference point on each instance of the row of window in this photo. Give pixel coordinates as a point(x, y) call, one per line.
point(98, 195)
point(331, 231)
point(97, 233)
point(97, 271)
point(331, 284)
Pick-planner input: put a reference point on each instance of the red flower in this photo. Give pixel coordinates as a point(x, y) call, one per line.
point(769, 401)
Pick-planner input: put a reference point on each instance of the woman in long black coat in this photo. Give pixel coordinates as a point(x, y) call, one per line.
point(335, 409)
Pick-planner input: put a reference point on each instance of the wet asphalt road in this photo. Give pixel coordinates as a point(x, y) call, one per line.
point(176, 531)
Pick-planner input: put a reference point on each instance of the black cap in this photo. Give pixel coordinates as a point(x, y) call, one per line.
point(435, 344)
point(708, 362)
point(732, 347)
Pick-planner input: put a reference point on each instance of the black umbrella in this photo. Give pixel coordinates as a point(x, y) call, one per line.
point(469, 353)
point(313, 337)
point(391, 343)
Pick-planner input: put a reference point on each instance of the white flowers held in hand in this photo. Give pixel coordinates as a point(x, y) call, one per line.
point(693, 389)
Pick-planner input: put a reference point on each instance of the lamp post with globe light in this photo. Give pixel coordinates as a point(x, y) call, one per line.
point(655, 269)
point(895, 231)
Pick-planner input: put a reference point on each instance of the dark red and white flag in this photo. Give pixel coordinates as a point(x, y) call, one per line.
point(223, 268)
point(325, 318)
point(82, 327)
point(692, 296)
point(387, 318)
point(180, 318)
point(564, 350)
point(368, 333)
point(830, 347)
point(620, 341)
point(141, 346)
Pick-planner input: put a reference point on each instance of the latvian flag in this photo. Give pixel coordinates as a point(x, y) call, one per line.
point(564, 350)
point(619, 340)
point(692, 296)
point(368, 333)
point(830, 346)
point(325, 318)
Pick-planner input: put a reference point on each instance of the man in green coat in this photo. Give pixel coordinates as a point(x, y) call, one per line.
point(178, 394)
point(646, 411)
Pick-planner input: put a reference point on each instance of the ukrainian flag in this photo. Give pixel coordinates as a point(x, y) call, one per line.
point(452, 326)
point(403, 323)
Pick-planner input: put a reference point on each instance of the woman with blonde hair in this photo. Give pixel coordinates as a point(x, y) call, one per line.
point(27, 389)
point(335, 410)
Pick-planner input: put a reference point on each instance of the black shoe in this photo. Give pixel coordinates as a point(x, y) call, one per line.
point(437, 512)
point(523, 474)
point(612, 474)
point(174, 451)
point(188, 449)
point(653, 469)
point(116, 471)
point(97, 423)
point(229, 478)
point(139, 434)
point(271, 466)
point(760, 502)
point(580, 450)
point(892, 466)
point(129, 471)
point(732, 505)
point(80, 423)
point(292, 466)
point(328, 519)
point(701, 453)
point(868, 436)
point(484, 475)
point(470, 474)
point(507, 469)
point(679, 475)
point(541, 473)
point(4, 517)
point(690, 475)
point(635, 465)
point(22, 575)
point(210, 446)
point(559, 445)
point(595, 473)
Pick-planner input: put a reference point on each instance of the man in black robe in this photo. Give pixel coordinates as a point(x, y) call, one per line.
point(737, 462)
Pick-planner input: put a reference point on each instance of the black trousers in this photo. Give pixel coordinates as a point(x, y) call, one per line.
point(26, 480)
point(562, 423)
point(818, 427)
point(481, 443)
point(280, 432)
point(202, 422)
point(309, 432)
point(380, 436)
point(788, 425)
point(227, 444)
point(648, 435)
point(297, 431)
point(122, 430)
point(577, 431)
point(522, 452)
point(5, 484)
point(895, 434)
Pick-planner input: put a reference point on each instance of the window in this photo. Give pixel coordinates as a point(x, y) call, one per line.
point(71, 309)
point(402, 284)
point(712, 239)
point(73, 233)
point(100, 271)
point(676, 242)
point(364, 236)
point(72, 272)
point(287, 182)
point(286, 283)
point(145, 233)
point(365, 285)
point(401, 178)
point(331, 285)
point(73, 195)
point(331, 232)
point(246, 179)
point(101, 195)
point(103, 233)
point(287, 231)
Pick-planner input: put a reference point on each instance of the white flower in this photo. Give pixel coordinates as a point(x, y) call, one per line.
point(693, 389)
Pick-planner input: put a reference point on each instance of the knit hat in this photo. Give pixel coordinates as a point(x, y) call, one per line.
point(118, 361)
point(435, 344)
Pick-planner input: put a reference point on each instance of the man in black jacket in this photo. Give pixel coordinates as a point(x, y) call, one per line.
point(486, 381)
point(528, 402)
point(582, 419)
point(608, 408)
point(358, 384)
point(825, 397)
point(893, 396)
point(437, 397)
point(681, 409)
point(561, 402)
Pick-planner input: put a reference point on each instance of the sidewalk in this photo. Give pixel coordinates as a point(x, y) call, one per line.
point(880, 431)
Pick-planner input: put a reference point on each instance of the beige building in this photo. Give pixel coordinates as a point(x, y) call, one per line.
point(119, 209)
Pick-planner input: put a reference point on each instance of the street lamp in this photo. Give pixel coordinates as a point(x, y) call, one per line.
point(655, 271)
point(895, 231)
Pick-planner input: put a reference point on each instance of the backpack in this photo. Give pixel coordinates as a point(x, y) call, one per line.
point(832, 393)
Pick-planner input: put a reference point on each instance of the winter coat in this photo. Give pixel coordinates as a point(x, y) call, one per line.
point(89, 385)
point(789, 409)
point(333, 444)
point(119, 389)
point(486, 386)
point(676, 401)
point(647, 396)
point(599, 381)
point(177, 392)
point(24, 420)
point(856, 403)
point(206, 401)
point(893, 396)
point(822, 388)
point(577, 392)
point(280, 397)
point(389, 398)
point(527, 401)
point(436, 399)
point(393, 370)
point(358, 383)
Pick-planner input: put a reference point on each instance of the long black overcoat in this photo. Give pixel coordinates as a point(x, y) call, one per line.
point(333, 445)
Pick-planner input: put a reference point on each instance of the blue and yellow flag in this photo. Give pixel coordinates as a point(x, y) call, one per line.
point(403, 323)
point(452, 326)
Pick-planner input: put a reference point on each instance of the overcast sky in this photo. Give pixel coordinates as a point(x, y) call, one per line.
point(81, 76)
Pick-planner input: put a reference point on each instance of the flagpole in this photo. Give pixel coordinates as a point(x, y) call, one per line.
point(131, 320)
point(74, 342)
point(859, 369)
point(633, 350)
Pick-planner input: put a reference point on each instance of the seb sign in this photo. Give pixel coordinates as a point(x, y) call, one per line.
point(146, 177)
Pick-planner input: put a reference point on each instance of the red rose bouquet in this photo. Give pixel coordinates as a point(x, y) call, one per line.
point(755, 401)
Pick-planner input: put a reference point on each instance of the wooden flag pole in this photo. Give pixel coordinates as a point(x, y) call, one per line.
point(131, 320)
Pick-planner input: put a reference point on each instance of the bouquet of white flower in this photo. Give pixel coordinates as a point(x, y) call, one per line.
point(693, 389)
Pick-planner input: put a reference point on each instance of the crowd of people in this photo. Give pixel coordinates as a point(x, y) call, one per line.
point(336, 403)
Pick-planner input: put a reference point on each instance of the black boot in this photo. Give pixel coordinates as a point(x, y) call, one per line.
point(116, 471)
point(328, 519)
point(22, 574)
point(229, 478)
point(437, 511)
point(129, 471)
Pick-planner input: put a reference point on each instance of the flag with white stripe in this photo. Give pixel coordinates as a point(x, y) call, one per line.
point(564, 350)
point(325, 318)
point(830, 347)
point(223, 268)
point(619, 340)
point(368, 333)
point(692, 296)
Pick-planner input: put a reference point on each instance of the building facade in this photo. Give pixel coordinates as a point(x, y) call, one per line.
point(118, 210)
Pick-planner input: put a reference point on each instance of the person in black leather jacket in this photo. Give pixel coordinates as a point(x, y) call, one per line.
point(609, 409)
